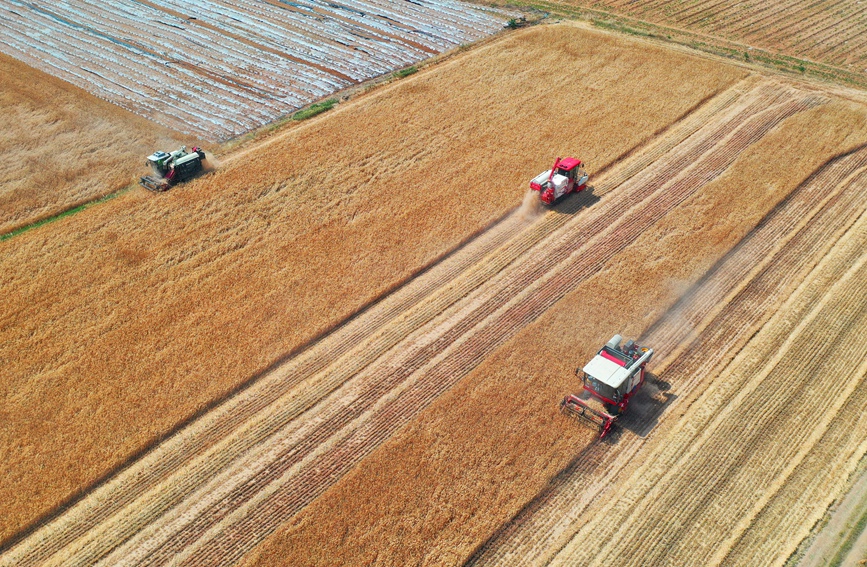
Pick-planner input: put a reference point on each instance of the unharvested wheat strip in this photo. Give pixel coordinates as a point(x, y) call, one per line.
point(563, 505)
point(650, 476)
point(681, 131)
point(563, 281)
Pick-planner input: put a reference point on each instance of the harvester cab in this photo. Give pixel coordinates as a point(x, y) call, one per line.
point(610, 379)
point(567, 176)
point(171, 168)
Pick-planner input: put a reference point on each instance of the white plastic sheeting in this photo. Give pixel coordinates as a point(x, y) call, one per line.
point(219, 68)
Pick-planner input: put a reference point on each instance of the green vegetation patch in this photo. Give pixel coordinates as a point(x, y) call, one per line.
point(59, 216)
point(405, 72)
point(314, 109)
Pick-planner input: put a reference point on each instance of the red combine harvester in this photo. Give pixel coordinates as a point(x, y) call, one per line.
point(567, 176)
point(610, 379)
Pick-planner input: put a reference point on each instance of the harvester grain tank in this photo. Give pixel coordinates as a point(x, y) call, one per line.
point(567, 176)
point(172, 168)
point(610, 379)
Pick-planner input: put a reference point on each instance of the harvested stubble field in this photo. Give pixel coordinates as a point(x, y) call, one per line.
point(48, 165)
point(831, 33)
point(124, 322)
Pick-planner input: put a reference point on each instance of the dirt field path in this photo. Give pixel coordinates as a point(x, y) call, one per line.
point(238, 472)
point(842, 527)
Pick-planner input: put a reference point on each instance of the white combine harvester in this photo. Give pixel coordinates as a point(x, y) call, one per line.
point(612, 377)
point(172, 168)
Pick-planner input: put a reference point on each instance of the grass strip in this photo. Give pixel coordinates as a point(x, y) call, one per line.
point(314, 109)
point(850, 540)
point(60, 215)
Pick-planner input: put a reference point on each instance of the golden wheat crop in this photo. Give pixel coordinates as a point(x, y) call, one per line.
point(493, 446)
point(62, 146)
point(122, 322)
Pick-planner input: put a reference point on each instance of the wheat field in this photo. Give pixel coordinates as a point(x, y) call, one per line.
point(124, 323)
point(62, 146)
point(491, 473)
point(831, 33)
point(347, 345)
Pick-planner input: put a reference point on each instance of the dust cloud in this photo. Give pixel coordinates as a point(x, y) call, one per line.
point(531, 208)
point(210, 163)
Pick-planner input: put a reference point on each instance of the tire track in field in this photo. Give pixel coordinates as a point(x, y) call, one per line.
point(768, 260)
point(162, 497)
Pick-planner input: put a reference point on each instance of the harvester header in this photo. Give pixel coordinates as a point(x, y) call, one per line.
point(610, 379)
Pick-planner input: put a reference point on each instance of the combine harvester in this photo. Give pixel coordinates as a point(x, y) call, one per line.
point(567, 176)
point(612, 377)
point(172, 168)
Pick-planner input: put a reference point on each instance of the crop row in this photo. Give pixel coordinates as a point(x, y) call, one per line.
point(830, 32)
point(751, 427)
